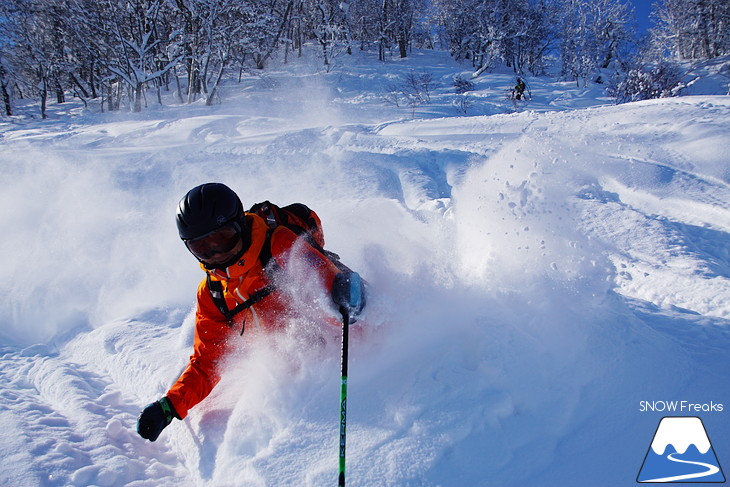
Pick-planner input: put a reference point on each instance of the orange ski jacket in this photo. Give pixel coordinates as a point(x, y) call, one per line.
point(215, 334)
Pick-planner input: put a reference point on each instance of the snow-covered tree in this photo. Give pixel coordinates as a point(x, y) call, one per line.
point(516, 33)
point(385, 23)
point(363, 18)
point(692, 29)
point(37, 42)
point(404, 12)
point(326, 22)
point(528, 34)
point(660, 80)
point(593, 34)
point(263, 27)
point(96, 34)
point(138, 46)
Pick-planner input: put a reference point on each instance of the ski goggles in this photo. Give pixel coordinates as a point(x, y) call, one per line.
point(220, 241)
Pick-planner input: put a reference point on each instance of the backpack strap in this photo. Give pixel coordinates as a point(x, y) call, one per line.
point(268, 212)
point(216, 292)
point(216, 288)
point(265, 253)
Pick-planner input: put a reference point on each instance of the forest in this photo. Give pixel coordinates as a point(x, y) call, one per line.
point(126, 53)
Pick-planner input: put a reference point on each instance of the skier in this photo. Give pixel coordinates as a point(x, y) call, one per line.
point(242, 256)
point(519, 89)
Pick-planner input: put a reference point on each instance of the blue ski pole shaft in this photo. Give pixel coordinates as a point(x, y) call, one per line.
point(343, 396)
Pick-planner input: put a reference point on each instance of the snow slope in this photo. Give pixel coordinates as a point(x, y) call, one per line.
point(535, 276)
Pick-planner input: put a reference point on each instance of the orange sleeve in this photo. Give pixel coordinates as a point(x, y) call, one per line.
point(210, 343)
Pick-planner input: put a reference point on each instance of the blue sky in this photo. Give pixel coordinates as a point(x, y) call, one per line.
point(643, 9)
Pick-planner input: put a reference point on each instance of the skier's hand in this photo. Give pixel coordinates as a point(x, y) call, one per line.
point(154, 418)
point(348, 293)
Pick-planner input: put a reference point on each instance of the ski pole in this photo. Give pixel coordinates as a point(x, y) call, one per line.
point(343, 394)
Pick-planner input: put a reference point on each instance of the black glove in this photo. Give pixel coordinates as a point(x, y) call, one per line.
point(348, 293)
point(154, 418)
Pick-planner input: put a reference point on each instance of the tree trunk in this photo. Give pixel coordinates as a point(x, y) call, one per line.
point(138, 97)
point(193, 81)
point(60, 95)
point(403, 46)
point(325, 52)
point(76, 81)
point(179, 88)
point(44, 95)
point(92, 82)
point(6, 99)
point(214, 88)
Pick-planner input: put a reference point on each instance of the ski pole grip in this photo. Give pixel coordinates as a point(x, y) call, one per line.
point(355, 291)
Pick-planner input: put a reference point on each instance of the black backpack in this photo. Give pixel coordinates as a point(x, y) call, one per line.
point(298, 218)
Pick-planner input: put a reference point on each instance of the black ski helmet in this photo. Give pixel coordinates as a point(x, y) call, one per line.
point(206, 208)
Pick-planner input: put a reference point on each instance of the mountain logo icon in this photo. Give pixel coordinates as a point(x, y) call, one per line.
point(681, 452)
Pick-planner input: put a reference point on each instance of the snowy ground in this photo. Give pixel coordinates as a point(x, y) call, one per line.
point(535, 275)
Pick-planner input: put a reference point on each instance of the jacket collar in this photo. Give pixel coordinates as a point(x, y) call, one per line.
point(250, 258)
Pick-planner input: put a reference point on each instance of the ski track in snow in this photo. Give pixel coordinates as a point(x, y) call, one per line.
point(711, 470)
point(535, 275)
